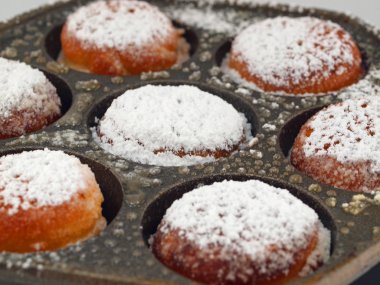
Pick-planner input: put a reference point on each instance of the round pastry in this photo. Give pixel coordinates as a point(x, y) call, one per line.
point(48, 200)
point(28, 101)
point(241, 233)
point(171, 126)
point(118, 37)
point(339, 145)
point(296, 56)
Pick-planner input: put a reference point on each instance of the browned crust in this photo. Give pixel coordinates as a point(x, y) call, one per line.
point(217, 153)
point(24, 121)
point(333, 82)
point(188, 259)
point(353, 176)
point(52, 227)
point(159, 55)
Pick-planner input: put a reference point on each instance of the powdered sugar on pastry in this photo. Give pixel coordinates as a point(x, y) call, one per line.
point(119, 24)
point(34, 179)
point(171, 126)
point(249, 218)
point(284, 49)
point(348, 131)
point(24, 88)
point(296, 56)
point(321, 253)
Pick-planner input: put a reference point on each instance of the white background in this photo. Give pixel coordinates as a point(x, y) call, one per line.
point(368, 10)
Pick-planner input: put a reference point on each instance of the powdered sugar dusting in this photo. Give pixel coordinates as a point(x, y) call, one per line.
point(217, 21)
point(24, 88)
point(363, 88)
point(284, 51)
point(149, 124)
point(348, 131)
point(40, 178)
point(321, 253)
point(119, 24)
point(244, 218)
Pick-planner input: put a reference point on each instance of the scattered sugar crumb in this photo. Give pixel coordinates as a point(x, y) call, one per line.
point(254, 141)
point(269, 127)
point(243, 91)
point(208, 19)
point(257, 154)
point(62, 138)
point(359, 203)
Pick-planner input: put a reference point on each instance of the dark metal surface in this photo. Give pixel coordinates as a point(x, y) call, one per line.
point(137, 195)
point(372, 277)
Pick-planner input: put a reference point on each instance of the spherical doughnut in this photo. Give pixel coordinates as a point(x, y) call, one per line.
point(171, 126)
point(241, 233)
point(117, 37)
point(296, 56)
point(28, 101)
point(339, 145)
point(48, 200)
